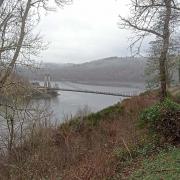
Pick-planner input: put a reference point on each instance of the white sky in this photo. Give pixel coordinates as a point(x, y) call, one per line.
point(84, 31)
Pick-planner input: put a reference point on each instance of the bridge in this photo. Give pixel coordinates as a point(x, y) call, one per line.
point(49, 89)
point(92, 92)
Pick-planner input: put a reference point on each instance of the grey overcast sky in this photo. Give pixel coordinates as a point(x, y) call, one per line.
point(85, 31)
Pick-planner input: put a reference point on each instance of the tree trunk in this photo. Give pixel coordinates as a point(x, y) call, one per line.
point(164, 51)
point(179, 70)
point(168, 75)
point(1, 1)
point(163, 78)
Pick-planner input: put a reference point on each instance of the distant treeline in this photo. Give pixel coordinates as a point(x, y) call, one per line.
point(112, 69)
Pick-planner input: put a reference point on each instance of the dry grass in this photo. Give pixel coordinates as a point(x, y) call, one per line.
point(82, 149)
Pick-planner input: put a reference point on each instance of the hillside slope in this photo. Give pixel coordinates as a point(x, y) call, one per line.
point(83, 148)
point(112, 69)
point(106, 145)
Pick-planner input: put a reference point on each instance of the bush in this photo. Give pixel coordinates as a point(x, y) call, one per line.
point(162, 119)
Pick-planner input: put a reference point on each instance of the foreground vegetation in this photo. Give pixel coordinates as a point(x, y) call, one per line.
point(165, 165)
point(104, 145)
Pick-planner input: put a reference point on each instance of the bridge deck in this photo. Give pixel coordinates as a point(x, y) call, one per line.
point(93, 92)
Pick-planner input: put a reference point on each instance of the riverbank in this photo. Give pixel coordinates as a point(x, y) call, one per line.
point(42, 93)
point(103, 145)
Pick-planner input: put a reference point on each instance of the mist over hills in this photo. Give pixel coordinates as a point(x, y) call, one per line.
point(111, 70)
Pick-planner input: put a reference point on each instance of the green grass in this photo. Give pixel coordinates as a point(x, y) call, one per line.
point(165, 166)
point(107, 113)
point(93, 119)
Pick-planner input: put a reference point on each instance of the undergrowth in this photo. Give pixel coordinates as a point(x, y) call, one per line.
point(151, 158)
point(165, 165)
point(162, 120)
point(95, 146)
point(93, 119)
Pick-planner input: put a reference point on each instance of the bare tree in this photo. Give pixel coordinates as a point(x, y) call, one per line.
point(15, 28)
point(18, 43)
point(158, 18)
point(17, 38)
point(18, 116)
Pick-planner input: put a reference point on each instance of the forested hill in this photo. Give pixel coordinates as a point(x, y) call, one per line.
point(107, 70)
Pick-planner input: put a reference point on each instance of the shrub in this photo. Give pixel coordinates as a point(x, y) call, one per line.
point(122, 154)
point(162, 119)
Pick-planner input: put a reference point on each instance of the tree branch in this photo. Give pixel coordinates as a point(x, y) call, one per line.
point(134, 26)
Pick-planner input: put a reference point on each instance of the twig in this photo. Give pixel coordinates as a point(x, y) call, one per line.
point(165, 170)
point(127, 148)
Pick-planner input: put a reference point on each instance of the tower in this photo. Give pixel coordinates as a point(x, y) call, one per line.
point(47, 81)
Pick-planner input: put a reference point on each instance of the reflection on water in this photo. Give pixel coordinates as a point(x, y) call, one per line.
point(68, 103)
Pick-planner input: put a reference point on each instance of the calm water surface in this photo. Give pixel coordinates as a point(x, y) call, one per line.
point(68, 103)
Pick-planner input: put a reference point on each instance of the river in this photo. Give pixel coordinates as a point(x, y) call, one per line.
point(67, 104)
